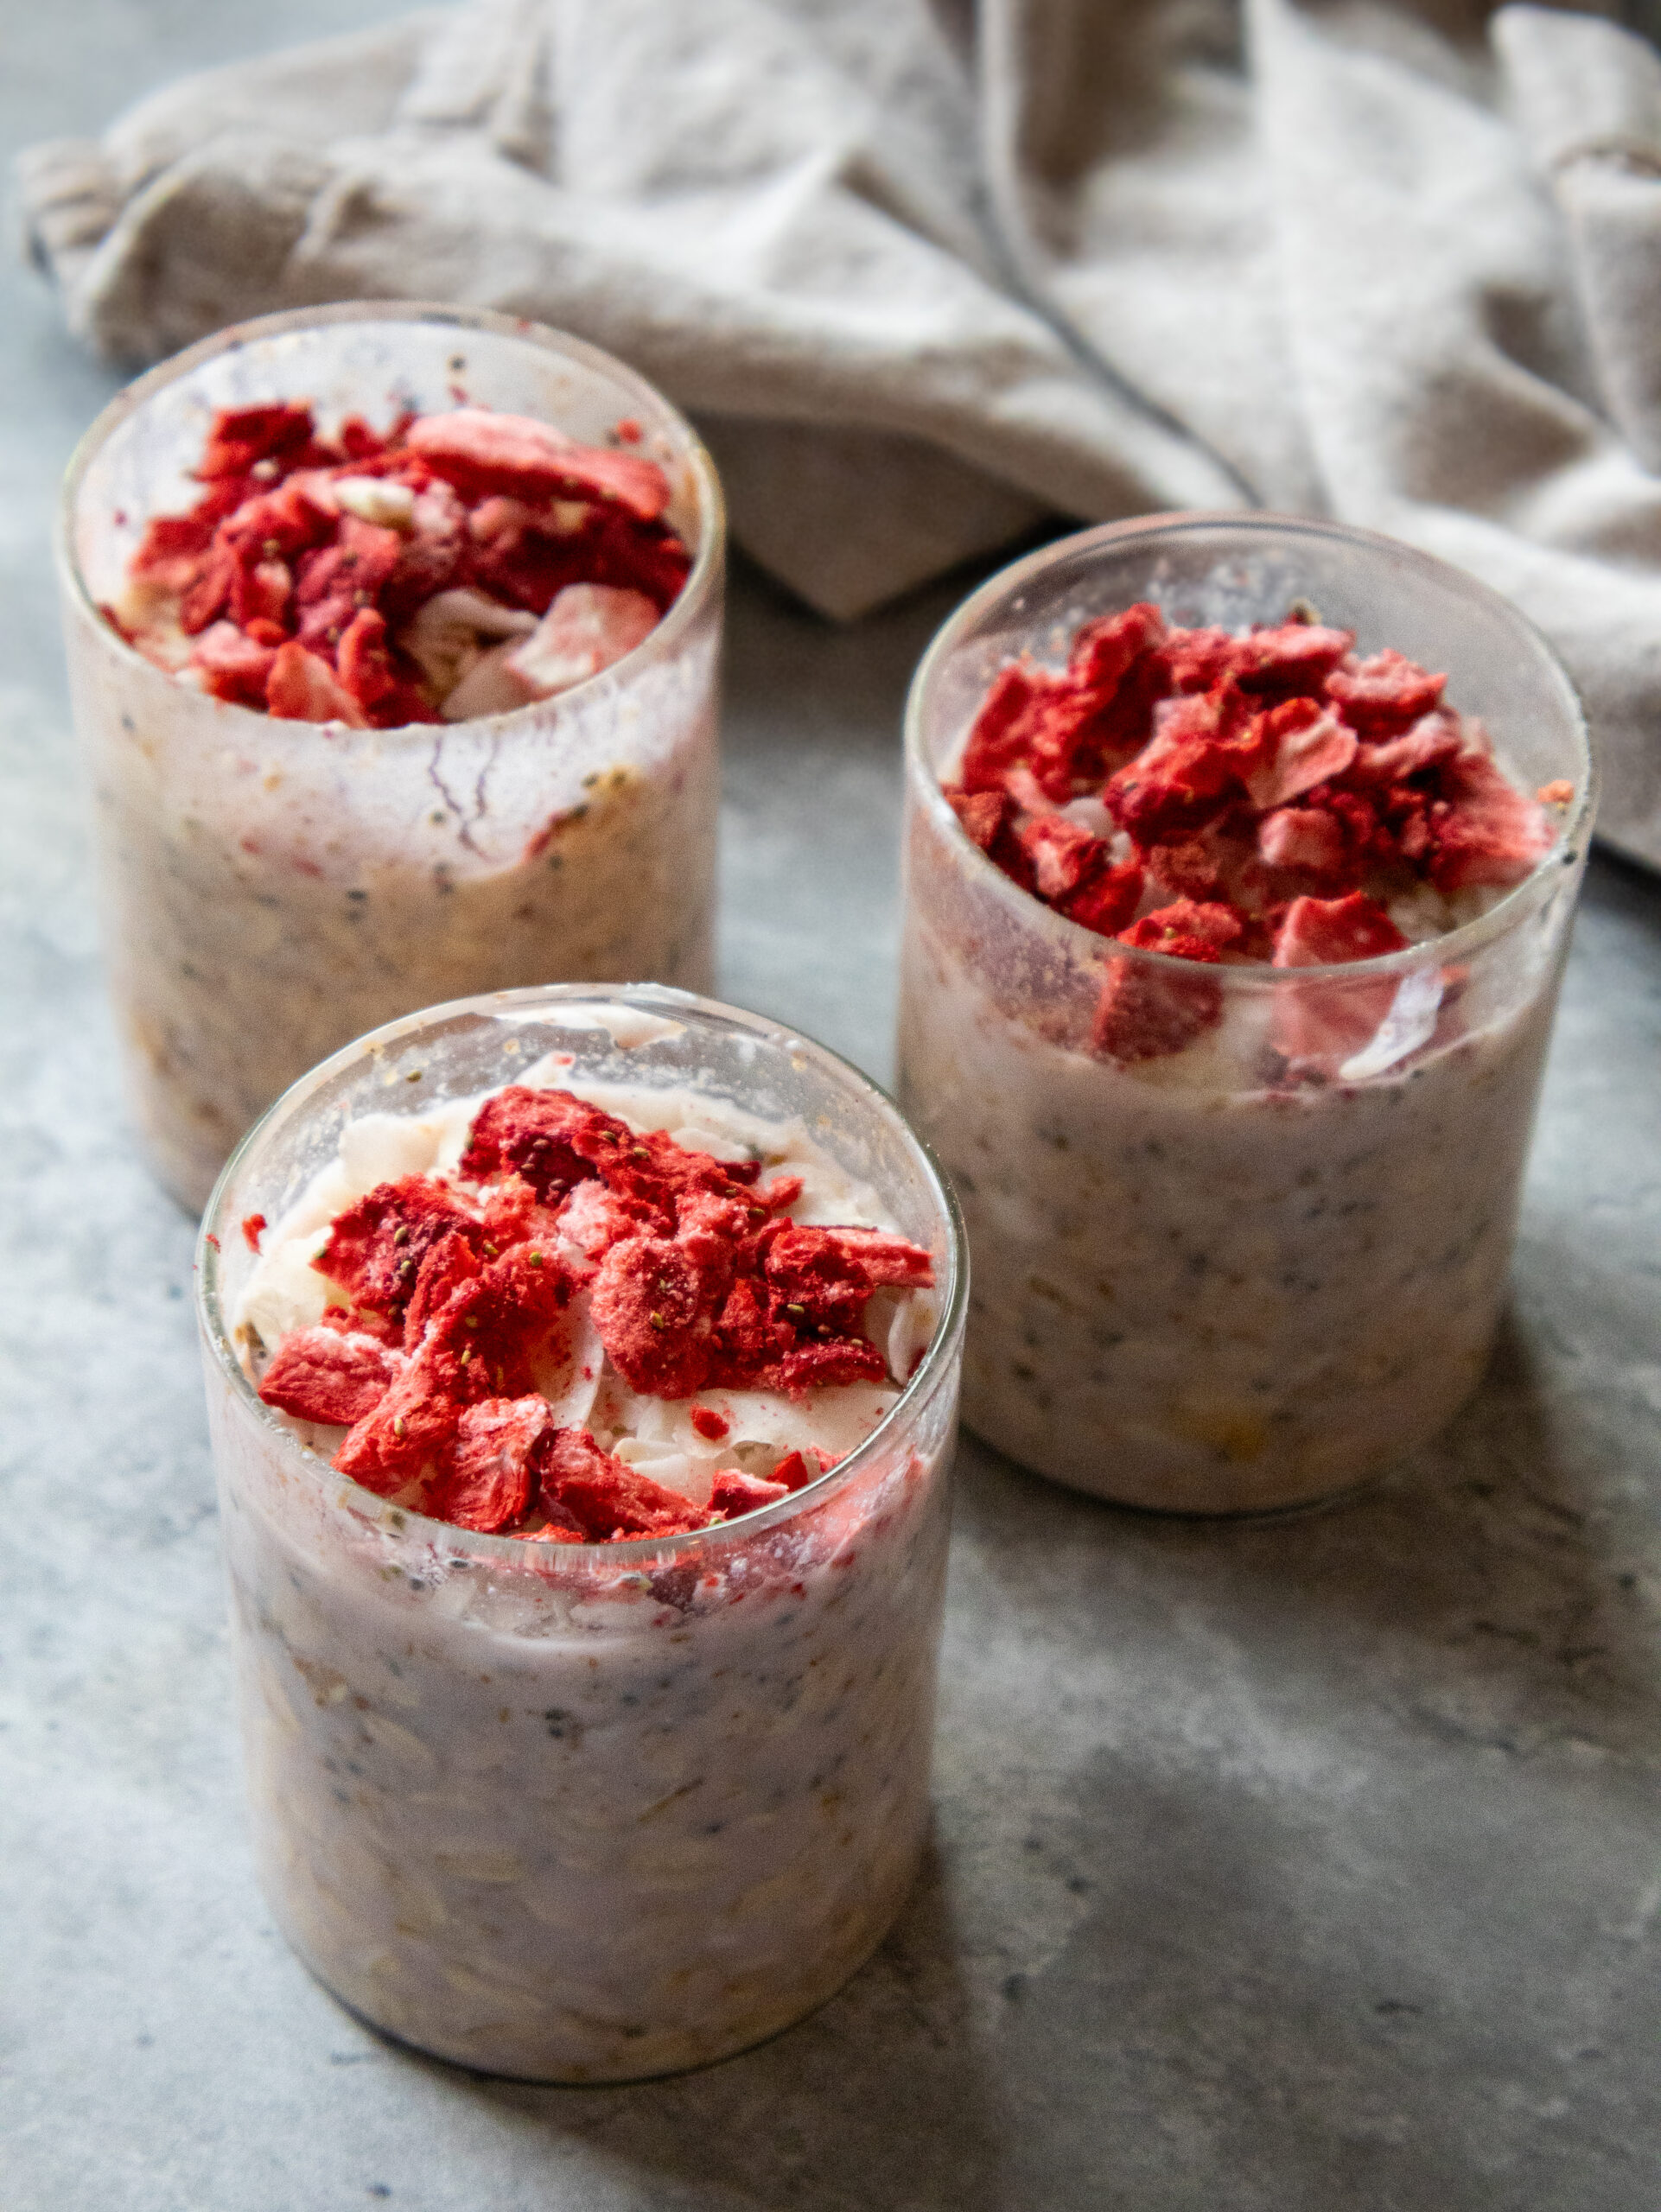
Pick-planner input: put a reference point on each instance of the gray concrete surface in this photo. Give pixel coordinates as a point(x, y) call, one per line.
point(1290, 1867)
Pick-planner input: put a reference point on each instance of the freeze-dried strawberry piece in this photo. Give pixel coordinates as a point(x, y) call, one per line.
point(171, 543)
point(710, 1426)
point(253, 1227)
point(376, 1246)
point(1291, 748)
point(1104, 650)
point(1195, 660)
point(711, 1231)
point(1294, 656)
point(608, 1497)
point(491, 1475)
point(822, 1366)
point(333, 582)
point(1188, 929)
point(996, 739)
point(1320, 931)
point(733, 1492)
point(1320, 1025)
point(982, 814)
point(551, 1139)
point(1303, 838)
point(239, 437)
point(411, 1426)
point(820, 1278)
point(498, 1326)
point(746, 1336)
point(302, 689)
point(651, 1305)
point(318, 1375)
point(1105, 900)
point(481, 453)
point(232, 667)
point(1383, 694)
point(207, 595)
point(449, 1262)
point(1429, 742)
point(1188, 869)
point(1062, 852)
point(364, 662)
point(1184, 775)
point(1144, 1014)
point(1486, 831)
point(782, 1192)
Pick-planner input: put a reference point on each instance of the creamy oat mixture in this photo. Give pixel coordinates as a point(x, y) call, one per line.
point(1241, 1221)
point(547, 1806)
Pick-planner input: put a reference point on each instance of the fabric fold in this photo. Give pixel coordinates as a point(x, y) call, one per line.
point(926, 284)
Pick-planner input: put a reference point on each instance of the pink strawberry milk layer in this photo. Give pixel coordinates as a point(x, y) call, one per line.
point(397, 681)
point(1231, 948)
point(627, 1772)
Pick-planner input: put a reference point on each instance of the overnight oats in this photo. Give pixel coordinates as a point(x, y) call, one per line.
point(393, 636)
point(1241, 854)
point(581, 1376)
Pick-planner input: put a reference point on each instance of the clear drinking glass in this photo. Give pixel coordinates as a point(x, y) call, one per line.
point(271, 889)
point(1197, 1288)
point(585, 1813)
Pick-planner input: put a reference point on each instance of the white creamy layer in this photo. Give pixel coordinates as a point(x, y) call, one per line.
point(286, 1292)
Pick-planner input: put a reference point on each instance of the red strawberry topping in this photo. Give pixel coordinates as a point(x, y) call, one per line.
point(1256, 783)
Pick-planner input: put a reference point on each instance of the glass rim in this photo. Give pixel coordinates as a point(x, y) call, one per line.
point(405, 1522)
point(694, 595)
point(1454, 944)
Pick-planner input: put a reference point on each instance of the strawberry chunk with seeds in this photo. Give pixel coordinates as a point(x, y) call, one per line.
point(449, 1262)
point(1188, 929)
point(551, 1139)
point(491, 1476)
point(654, 1317)
point(376, 1246)
point(318, 1375)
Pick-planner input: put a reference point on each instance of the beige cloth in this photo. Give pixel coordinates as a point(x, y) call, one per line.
point(925, 281)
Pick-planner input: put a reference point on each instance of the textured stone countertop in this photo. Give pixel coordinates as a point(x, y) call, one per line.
point(1286, 1866)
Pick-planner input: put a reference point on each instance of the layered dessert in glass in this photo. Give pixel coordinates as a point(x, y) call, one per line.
point(582, 1375)
point(393, 636)
point(1241, 854)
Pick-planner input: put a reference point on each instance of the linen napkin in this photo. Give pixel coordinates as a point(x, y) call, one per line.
point(926, 277)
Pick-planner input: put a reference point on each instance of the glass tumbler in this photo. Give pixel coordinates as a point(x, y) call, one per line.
point(585, 1812)
point(1200, 1286)
point(273, 888)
